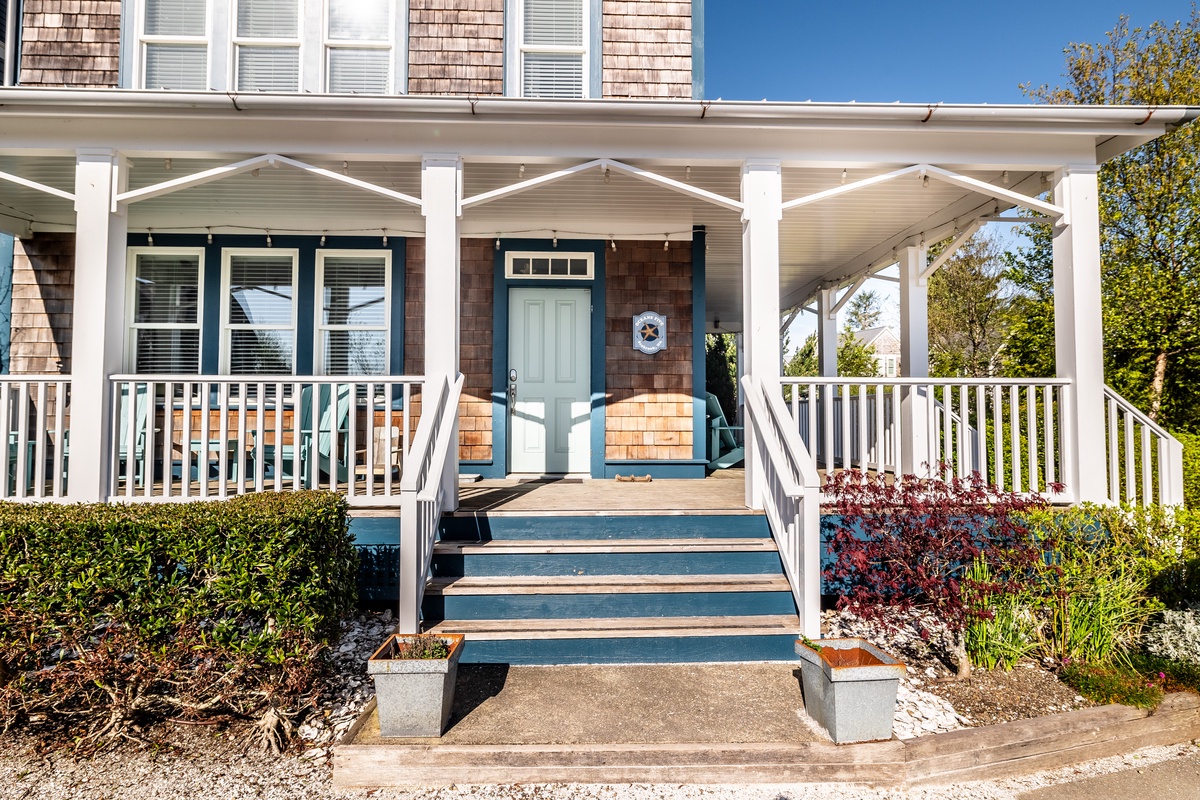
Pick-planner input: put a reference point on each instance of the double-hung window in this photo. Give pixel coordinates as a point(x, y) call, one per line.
point(552, 48)
point(165, 317)
point(258, 335)
point(266, 46)
point(353, 290)
point(358, 46)
point(174, 44)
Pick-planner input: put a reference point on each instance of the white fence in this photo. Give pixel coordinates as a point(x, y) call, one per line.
point(1145, 463)
point(792, 496)
point(425, 492)
point(1010, 431)
point(178, 437)
point(35, 419)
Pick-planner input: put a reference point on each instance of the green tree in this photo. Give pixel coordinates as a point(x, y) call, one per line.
point(968, 320)
point(1029, 350)
point(720, 364)
point(864, 310)
point(1149, 214)
point(854, 360)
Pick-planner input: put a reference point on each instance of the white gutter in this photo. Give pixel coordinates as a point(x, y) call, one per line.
point(120, 103)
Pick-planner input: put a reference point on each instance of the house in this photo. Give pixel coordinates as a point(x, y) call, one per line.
point(367, 245)
point(886, 346)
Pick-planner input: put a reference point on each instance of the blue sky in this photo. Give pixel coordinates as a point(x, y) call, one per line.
point(886, 50)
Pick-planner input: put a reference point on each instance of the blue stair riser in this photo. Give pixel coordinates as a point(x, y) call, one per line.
point(481, 528)
point(590, 606)
point(634, 650)
point(656, 563)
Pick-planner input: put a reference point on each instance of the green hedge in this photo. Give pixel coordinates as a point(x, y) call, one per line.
point(197, 609)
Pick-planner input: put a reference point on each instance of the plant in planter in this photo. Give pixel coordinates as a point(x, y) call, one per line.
point(849, 688)
point(414, 682)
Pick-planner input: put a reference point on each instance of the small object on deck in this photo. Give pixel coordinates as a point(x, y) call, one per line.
point(465, 478)
point(634, 478)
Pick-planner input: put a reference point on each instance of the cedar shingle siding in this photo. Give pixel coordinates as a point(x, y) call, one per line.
point(647, 48)
point(42, 301)
point(456, 47)
point(70, 42)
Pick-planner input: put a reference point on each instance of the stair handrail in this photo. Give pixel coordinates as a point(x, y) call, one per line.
point(423, 489)
point(1170, 468)
point(791, 496)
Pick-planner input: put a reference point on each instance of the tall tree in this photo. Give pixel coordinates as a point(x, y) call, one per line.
point(864, 310)
point(854, 360)
point(720, 364)
point(1029, 350)
point(968, 323)
point(1149, 212)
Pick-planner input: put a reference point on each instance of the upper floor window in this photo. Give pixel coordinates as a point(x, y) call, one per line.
point(358, 46)
point(552, 48)
point(267, 46)
point(174, 44)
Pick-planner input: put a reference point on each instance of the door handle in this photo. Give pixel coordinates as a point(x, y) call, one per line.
point(512, 399)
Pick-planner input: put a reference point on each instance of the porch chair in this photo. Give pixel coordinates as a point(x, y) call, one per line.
point(140, 412)
point(387, 455)
point(721, 438)
point(334, 420)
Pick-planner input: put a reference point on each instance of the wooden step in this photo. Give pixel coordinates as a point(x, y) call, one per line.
point(620, 627)
point(605, 584)
point(553, 546)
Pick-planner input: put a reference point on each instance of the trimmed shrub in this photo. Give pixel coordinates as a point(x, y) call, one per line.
point(192, 610)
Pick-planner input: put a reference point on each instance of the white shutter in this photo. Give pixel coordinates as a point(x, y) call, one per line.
point(360, 20)
point(176, 17)
point(176, 66)
point(268, 69)
point(554, 23)
point(554, 75)
point(359, 70)
point(267, 19)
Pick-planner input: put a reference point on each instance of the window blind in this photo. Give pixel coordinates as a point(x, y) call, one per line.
point(260, 352)
point(176, 66)
point(267, 19)
point(554, 75)
point(353, 293)
point(554, 23)
point(268, 69)
point(166, 289)
point(359, 70)
point(176, 17)
point(354, 352)
point(360, 20)
point(167, 351)
point(260, 290)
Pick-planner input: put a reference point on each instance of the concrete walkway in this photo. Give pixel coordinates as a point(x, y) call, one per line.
point(1178, 779)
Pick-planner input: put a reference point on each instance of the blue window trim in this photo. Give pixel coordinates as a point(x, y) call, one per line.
point(498, 467)
point(210, 333)
point(7, 244)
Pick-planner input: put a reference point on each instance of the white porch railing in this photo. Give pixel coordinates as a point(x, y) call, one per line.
point(791, 496)
point(1145, 463)
point(1011, 431)
point(181, 437)
point(34, 419)
point(424, 496)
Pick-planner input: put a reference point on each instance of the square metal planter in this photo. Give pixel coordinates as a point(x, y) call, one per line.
point(414, 695)
point(850, 688)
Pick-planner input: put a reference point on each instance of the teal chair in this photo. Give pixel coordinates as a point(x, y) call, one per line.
point(723, 448)
point(141, 411)
point(332, 420)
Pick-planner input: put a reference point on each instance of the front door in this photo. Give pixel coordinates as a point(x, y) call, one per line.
point(549, 387)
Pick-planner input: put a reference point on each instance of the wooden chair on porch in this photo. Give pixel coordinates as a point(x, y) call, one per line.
point(386, 455)
point(333, 420)
point(723, 448)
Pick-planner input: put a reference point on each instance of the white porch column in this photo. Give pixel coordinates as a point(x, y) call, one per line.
point(914, 360)
point(441, 191)
point(98, 319)
point(762, 194)
point(827, 333)
point(1079, 333)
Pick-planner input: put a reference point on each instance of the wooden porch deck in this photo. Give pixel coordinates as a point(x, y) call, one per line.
point(723, 491)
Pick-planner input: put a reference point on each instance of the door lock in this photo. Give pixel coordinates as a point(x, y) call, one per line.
point(512, 399)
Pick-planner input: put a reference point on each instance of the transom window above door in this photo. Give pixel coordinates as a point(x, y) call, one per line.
point(566, 266)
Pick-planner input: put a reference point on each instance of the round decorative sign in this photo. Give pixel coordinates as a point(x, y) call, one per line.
point(649, 332)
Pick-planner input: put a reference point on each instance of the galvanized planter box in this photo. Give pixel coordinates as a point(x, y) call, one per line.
point(414, 695)
point(850, 688)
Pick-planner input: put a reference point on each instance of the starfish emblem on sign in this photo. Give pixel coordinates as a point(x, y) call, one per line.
point(649, 332)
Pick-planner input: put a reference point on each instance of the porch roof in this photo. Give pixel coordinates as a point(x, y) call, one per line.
point(381, 140)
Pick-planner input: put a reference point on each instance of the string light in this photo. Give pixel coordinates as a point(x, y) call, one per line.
point(996, 209)
point(345, 167)
point(555, 240)
point(521, 172)
point(924, 181)
point(687, 171)
point(613, 241)
point(956, 230)
point(254, 172)
point(167, 165)
point(497, 241)
point(209, 235)
point(1004, 175)
point(269, 243)
point(606, 178)
point(385, 237)
point(844, 176)
point(666, 241)
point(322, 238)
point(150, 236)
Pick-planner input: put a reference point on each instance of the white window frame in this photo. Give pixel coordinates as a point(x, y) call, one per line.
point(388, 45)
point(143, 39)
point(519, 49)
point(515, 254)
point(236, 42)
point(132, 326)
point(227, 255)
point(319, 327)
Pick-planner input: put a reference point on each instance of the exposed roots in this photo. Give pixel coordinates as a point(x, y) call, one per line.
point(273, 731)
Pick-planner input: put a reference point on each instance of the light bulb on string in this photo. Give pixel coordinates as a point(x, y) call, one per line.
point(269, 242)
point(209, 235)
point(150, 237)
point(322, 238)
point(844, 176)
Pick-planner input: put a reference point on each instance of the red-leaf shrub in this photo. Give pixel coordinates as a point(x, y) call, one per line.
point(907, 544)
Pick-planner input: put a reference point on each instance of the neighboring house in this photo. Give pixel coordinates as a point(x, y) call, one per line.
point(887, 348)
point(257, 239)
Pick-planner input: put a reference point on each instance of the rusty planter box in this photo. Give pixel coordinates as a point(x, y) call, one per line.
point(850, 688)
point(414, 695)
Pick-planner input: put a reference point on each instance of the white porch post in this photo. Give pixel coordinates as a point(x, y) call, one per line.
point(98, 318)
point(762, 196)
point(914, 359)
point(441, 191)
point(1079, 333)
point(827, 333)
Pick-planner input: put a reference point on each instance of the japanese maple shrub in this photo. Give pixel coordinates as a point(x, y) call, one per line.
point(928, 545)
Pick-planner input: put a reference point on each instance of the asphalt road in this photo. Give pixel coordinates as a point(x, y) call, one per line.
point(1178, 779)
